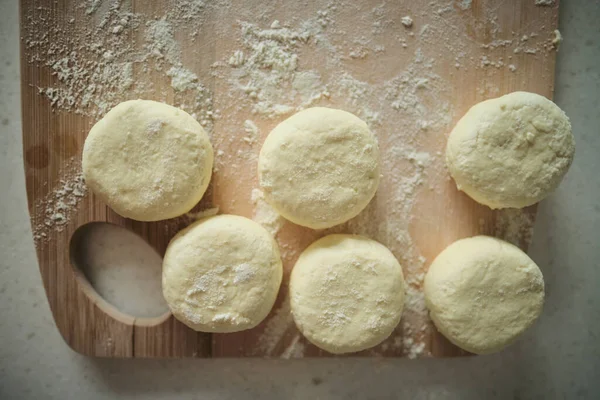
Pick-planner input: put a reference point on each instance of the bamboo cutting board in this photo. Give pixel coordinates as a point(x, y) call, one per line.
point(241, 68)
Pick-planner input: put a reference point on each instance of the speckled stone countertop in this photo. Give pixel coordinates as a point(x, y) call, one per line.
point(558, 358)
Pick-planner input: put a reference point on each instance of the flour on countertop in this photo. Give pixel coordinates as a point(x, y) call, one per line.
point(295, 349)
point(407, 21)
point(557, 39)
point(251, 132)
point(264, 214)
point(515, 226)
point(264, 70)
point(57, 207)
point(101, 63)
point(277, 328)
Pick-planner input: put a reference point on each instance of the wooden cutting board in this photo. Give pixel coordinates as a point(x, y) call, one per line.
point(252, 65)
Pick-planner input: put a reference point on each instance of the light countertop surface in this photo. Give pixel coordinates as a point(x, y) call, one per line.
point(558, 358)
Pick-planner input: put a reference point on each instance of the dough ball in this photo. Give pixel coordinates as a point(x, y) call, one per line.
point(147, 160)
point(347, 293)
point(482, 293)
point(511, 151)
point(320, 167)
point(222, 274)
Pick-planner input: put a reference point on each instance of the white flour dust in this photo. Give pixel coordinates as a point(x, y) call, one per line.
point(56, 208)
point(265, 214)
point(116, 55)
point(514, 226)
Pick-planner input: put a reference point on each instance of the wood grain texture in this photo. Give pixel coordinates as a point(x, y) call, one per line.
point(53, 137)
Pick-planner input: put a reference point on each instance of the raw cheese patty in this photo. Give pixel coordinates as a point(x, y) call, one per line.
point(222, 274)
point(347, 293)
point(483, 292)
point(147, 160)
point(320, 167)
point(511, 151)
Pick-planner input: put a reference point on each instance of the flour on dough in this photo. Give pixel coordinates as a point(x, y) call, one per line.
point(511, 151)
point(320, 167)
point(222, 274)
point(147, 160)
point(347, 293)
point(482, 293)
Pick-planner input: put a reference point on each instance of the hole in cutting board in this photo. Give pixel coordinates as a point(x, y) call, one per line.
point(123, 269)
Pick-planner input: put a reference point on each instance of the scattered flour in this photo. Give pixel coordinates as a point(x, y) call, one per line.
point(515, 226)
point(277, 330)
point(264, 214)
point(295, 349)
point(102, 62)
point(557, 39)
point(252, 132)
point(465, 4)
point(54, 211)
point(265, 70)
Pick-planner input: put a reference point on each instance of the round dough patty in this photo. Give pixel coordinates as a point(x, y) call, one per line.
point(222, 274)
point(320, 167)
point(147, 160)
point(511, 151)
point(347, 293)
point(483, 292)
